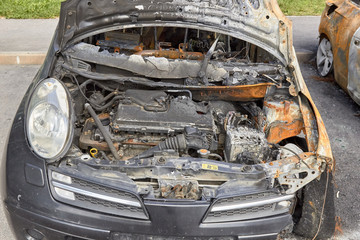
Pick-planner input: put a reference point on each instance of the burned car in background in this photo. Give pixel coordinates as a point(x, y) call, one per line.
point(338, 50)
point(166, 120)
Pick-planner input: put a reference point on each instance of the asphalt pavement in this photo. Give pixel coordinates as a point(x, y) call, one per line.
point(339, 112)
point(25, 41)
point(26, 35)
point(342, 121)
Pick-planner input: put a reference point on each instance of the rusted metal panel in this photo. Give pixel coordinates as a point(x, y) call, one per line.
point(311, 130)
point(171, 54)
point(86, 142)
point(317, 137)
point(322, 143)
point(230, 93)
point(354, 68)
point(303, 163)
point(284, 120)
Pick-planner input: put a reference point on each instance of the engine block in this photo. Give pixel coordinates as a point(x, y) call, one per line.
point(246, 145)
point(178, 113)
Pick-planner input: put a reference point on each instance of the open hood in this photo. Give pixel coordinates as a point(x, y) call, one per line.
point(240, 19)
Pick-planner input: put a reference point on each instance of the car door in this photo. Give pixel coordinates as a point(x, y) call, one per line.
point(354, 67)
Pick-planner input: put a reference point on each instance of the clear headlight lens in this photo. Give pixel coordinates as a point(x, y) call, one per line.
point(48, 119)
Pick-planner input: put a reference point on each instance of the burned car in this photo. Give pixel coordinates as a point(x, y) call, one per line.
point(338, 49)
point(169, 120)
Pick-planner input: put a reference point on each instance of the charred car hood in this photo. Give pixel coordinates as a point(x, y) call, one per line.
point(240, 19)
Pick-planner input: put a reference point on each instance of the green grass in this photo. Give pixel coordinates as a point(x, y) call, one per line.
point(51, 8)
point(302, 7)
point(29, 8)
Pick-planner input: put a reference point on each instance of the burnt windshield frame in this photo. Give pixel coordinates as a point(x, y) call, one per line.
point(233, 34)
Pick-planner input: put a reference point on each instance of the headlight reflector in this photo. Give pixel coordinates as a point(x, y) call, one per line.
point(48, 119)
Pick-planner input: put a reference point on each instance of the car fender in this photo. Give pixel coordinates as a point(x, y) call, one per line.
point(316, 135)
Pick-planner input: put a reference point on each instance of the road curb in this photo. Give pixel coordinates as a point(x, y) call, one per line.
point(22, 58)
point(37, 58)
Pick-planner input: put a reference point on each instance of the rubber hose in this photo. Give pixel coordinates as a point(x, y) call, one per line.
point(177, 143)
point(102, 129)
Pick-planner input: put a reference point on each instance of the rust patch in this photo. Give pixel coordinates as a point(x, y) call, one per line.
point(187, 190)
point(86, 142)
point(230, 93)
point(338, 226)
point(312, 204)
point(323, 79)
point(171, 54)
point(311, 133)
point(282, 131)
point(277, 175)
point(284, 120)
point(295, 159)
point(135, 142)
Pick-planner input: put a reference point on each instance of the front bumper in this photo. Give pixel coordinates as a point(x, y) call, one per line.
point(169, 222)
point(36, 211)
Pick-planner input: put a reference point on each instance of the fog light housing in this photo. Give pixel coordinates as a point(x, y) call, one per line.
point(64, 193)
point(61, 177)
point(283, 205)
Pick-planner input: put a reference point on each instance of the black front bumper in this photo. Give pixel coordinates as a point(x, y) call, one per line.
point(169, 222)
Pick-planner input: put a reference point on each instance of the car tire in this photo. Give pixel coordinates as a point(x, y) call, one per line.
point(312, 203)
point(324, 58)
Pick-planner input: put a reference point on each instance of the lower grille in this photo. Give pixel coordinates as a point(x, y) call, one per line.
point(95, 197)
point(107, 204)
point(104, 189)
point(230, 213)
point(250, 197)
point(248, 207)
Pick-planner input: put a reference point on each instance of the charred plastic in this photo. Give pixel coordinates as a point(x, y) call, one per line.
point(178, 117)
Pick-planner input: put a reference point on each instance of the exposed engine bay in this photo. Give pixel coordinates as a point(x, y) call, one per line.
point(183, 113)
point(149, 121)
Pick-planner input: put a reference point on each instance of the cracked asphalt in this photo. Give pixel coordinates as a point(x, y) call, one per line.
point(340, 114)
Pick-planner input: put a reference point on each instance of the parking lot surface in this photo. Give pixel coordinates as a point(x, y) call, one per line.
point(340, 114)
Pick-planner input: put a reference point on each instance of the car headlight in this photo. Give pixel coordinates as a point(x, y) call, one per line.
point(48, 119)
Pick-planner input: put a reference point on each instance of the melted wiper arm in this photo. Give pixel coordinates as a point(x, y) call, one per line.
point(205, 63)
